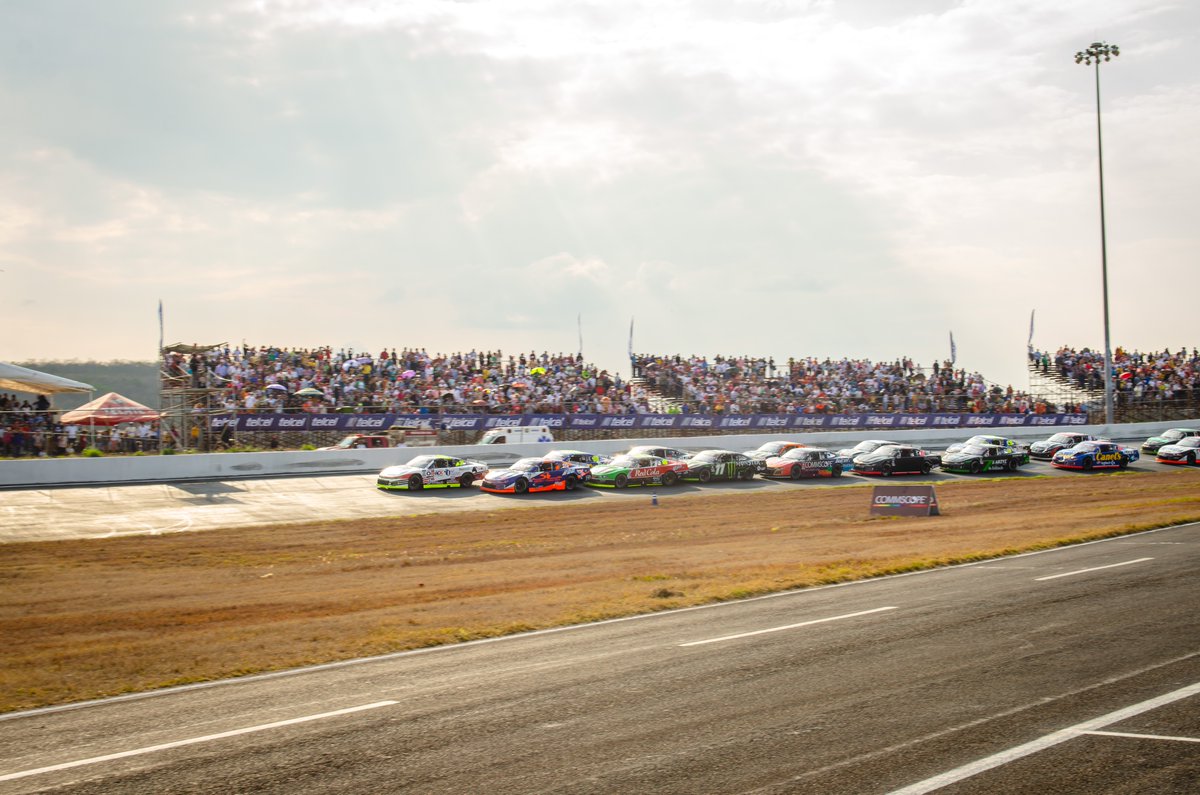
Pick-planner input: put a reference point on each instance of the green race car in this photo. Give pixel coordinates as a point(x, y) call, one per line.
point(637, 470)
point(1172, 436)
point(975, 458)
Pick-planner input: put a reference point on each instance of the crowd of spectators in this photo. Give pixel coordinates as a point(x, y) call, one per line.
point(747, 385)
point(273, 379)
point(1137, 377)
point(32, 428)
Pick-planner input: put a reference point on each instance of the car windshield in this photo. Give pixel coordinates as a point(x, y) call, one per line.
point(624, 461)
point(706, 456)
point(1173, 434)
point(526, 464)
point(421, 461)
point(868, 447)
point(1061, 438)
point(974, 449)
point(772, 447)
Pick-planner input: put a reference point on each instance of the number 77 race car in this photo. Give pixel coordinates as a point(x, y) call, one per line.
point(431, 471)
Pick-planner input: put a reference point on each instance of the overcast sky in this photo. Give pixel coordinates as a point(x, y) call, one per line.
point(854, 178)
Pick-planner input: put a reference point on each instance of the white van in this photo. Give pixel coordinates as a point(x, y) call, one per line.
point(517, 434)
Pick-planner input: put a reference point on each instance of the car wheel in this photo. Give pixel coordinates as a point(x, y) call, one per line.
point(925, 468)
point(521, 486)
point(415, 483)
point(836, 470)
point(1124, 463)
point(466, 480)
point(570, 483)
point(795, 473)
point(746, 474)
point(669, 479)
point(619, 481)
point(976, 467)
point(705, 475)
point(1087, 464)
point(1191, 459)
point(886, 470)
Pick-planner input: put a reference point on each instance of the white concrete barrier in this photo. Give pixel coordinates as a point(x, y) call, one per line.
point(47, 472)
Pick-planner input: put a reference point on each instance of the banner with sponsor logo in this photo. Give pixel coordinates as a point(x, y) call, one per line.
point(904, 501)
point(715, 423)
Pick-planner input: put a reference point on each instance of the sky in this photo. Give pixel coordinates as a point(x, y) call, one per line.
point(858, 178)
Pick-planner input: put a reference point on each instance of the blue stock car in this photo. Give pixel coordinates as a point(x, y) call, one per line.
point(531, 475)
point(1095, 455)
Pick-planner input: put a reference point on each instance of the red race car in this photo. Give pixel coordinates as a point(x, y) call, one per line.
point(804, 462)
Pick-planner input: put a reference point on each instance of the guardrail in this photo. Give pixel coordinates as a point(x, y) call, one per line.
point(50, 472)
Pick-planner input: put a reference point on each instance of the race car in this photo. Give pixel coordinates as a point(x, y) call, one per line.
point(1172, 436)
point(722, 465)
point(637, 470)
point(862, 448)
point(579, 457)
point(896, 459)
point(772, 450)
point(804, 462)
point(976, 458)
point(984, 438)
point(671, 453)
point(533, 475)
point(1095, 455)
point(1185, 451)
point(434, 471)
point(1059, 441)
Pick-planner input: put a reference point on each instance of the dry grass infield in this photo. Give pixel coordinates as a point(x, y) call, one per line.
point(86, 619)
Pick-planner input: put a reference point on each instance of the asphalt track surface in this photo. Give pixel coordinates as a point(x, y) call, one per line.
point(150, 509)
point(1072, 671)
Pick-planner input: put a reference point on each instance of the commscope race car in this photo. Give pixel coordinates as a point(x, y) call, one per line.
point(1095, 455)
point(431, 471)
point(772, 450)
point(534, 475)
point(804, 462)
point(896, 459)
point(722, 465)
point(1059, 441)
point(637, 470)
point(1172, 436)
point(1185, 451)
point(976, 458)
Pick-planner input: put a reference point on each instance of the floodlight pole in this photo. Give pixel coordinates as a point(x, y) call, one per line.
point(1097, 52)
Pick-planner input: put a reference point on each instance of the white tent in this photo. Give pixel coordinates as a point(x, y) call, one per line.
point(22, 379)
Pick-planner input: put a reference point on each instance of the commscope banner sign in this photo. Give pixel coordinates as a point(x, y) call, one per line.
point(904, 501)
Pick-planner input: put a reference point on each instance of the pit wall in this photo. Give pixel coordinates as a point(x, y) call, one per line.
point(120, 470)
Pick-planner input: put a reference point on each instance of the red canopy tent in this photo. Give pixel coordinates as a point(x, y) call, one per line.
point(110, 409)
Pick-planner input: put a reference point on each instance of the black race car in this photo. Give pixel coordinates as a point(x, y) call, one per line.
point(896, 459)
point(976, 458)
point(1059, 441)
point(722, 465)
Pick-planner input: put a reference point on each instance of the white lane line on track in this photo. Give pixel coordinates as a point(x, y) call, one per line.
point(1094, 568)
point(191, 741)
point(1042, 743)
point(788, 626)
point(1147, 736)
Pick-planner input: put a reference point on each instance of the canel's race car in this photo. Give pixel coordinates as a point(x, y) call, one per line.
point(637, 470)
point(579, 457)
point(896, 459)
point(431, 471)
point(1060, 441)
point(976, 458)
point(984, 438)
point(1185, 451)
point(534, 475)
point(804, 462)
point(1095, 455)
point(722, 465)
point(1172, 436)
point(772, 450)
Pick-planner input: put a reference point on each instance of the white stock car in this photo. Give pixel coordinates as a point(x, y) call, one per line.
point(435, 471)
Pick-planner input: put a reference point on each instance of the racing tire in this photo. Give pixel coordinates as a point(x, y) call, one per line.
point(1124, 463)
point(1087, 464)
point(976, 467)
point(795, 473)
point(620, 481)
point(705, 475)
point(521, 486)
point(886, 471)
point(669, 479)
point(1013, 465)
point(836, 471)
point(570, 483)
point(466, 481)
point(746, 474)
point(415, 483)
point(1191, 459)
point(925, 468)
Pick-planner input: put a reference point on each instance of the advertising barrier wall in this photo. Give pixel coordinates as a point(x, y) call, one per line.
point(358, 423)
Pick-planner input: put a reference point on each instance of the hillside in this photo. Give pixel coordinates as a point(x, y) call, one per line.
point(135, 380)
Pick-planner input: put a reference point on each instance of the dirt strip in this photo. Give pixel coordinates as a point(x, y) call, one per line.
point(89, 618)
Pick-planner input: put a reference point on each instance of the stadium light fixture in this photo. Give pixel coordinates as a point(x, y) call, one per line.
point(1097, 52)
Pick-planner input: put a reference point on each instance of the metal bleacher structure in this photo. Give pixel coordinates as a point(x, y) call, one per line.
point(1050, 384)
